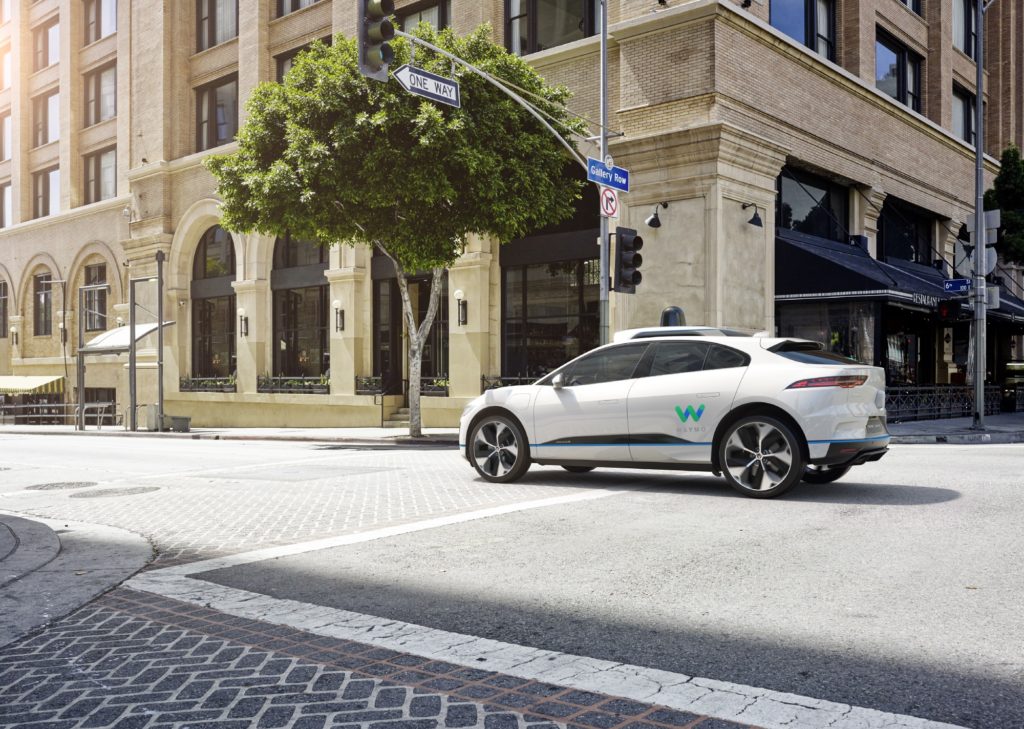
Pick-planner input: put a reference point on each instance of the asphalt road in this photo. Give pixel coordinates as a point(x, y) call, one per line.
point(897, 589)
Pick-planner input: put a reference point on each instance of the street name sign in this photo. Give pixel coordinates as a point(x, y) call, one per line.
point(429, 86)
point(956, 285)
point(609, 202)
point(614, 177)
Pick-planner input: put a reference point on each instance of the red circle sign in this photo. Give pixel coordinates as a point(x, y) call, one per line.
point(609, 202)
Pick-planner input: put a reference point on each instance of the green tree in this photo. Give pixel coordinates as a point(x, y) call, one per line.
point(1007, 193)
point(334, 157)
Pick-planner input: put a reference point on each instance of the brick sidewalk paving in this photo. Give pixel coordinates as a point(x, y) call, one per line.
point(132, 660)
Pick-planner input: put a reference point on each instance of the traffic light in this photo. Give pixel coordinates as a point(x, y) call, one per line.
point(375, 32)
point(626, 275)
point(948, 311)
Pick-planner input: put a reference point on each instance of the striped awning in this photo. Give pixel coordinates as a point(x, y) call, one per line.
point(31, 385)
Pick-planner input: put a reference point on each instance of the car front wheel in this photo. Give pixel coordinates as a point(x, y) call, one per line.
point(499, 450)
point(760, 457)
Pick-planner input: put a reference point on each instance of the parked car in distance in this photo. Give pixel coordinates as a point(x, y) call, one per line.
point(763, 412)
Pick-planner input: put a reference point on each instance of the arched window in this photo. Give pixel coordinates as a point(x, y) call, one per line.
point(300, 290)
point(213, 305)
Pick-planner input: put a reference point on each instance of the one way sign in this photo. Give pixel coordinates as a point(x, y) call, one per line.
point(429, 86)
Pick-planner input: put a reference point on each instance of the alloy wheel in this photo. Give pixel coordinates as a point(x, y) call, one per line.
point(496, 449)
point(758, 456)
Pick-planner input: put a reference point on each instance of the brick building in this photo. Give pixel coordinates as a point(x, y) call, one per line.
point(833, 120)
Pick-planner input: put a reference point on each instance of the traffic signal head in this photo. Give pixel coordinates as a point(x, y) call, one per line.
point(375, 33)
point(626, 272)
point(948, 311)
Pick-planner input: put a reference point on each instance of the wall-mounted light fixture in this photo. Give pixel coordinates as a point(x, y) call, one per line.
point(653, 221)
point(339, 316)
point(243, 322)
point(14, 335)
point(120, 321)
point(460, 297)
point(756, 220)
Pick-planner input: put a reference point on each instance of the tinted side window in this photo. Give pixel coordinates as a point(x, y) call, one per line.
point(673, 358)
point(608, 365)
point(721, 358)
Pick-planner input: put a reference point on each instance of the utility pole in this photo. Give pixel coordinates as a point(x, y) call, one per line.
point(980, 241)
point(605, 248)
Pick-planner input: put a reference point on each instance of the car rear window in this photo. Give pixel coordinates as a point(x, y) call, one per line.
point(818, 357)
point(722, 358)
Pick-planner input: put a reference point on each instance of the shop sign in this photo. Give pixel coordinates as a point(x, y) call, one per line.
point(926, 300)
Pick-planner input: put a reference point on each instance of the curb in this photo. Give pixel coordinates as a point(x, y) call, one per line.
point(438, 441)
point(959, 439)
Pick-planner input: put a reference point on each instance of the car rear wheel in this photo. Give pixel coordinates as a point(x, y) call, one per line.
point(824, 474)
point(578, 469)
point(499, 450)
point(760, 457)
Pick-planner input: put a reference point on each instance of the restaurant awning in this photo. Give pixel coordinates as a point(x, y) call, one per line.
point(31, 384)
point(118, 340)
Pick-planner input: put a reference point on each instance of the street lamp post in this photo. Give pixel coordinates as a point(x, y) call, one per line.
point(605, 263)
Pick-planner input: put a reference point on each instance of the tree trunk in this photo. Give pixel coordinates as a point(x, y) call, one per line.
point(417, 337)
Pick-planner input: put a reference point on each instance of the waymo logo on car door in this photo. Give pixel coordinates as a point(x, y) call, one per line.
point(685, 415)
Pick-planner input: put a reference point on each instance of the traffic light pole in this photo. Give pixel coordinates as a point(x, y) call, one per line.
point(605, 248)
point(980, 249)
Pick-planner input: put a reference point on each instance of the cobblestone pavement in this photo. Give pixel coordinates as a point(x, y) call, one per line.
point(131, 661)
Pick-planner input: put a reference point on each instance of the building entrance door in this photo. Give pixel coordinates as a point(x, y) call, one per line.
point(390, 361)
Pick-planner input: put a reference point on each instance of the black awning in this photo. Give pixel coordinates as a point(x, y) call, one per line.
point(818, 269)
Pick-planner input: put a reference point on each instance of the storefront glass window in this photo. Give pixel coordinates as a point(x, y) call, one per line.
point(300, 309)
point(906, 232)
point(213, 305)
point(846, 328)
point(812, 205)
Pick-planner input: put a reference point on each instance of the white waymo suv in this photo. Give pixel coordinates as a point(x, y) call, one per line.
point(765, 413)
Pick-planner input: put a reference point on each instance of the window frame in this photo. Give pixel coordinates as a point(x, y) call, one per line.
point(95, 313)
point(210, 22)
point(42, 316)
point(41, 118)
point(93, 96)
point(913, 6)
point(837, 193)
point(211, 141)
point(568, 371)
point(970, 101)
point(282, 58)
point(92, 21)
point(970, 31)
point(6, 211)
point(812, 33)
point(41, 197)
point(287, 7)
point(590, 20)
point(6, 134)
point(3, 309)
point(443, 13)
point(905, 59)
point(41, 47)
point(92, 175)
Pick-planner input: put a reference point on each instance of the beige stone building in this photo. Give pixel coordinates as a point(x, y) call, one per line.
point(843, 126)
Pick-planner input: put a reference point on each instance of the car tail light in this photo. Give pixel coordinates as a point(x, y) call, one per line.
point(845, 381)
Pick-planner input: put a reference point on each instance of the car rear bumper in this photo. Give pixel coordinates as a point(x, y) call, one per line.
point(854, 453)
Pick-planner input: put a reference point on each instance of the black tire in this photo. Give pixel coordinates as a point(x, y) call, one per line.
point(498, 449)
point(824, 474)
point(761, 457)
point(578, 469)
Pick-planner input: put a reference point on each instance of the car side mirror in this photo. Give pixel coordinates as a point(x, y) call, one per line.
point(558, 381)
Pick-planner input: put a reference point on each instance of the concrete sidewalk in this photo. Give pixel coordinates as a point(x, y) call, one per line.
point(1002, 428)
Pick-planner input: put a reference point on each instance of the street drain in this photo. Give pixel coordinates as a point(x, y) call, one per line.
point(60, 486)
point(104, 493)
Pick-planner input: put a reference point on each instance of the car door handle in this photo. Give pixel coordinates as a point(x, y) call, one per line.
point(708, 394)
point(608, 402)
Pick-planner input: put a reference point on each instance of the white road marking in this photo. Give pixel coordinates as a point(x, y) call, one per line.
point(724, 700)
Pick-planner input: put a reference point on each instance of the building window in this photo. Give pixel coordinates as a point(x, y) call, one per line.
point(535, 25)
point(5, 136)
point(550, 314)
point(897, 71)
point(6, 209)
point(47, 45)
point(46, 118)
point(964, 110)
point(812, 205)
point(216, 22)
point(290, 6)
point(286, 60)
point(811, 22)
point(95, 299)
point(46, 192)
point(100, 95)
point(217, 113)
point(438, 15)
point(964, 35)
point(300, 309)
point(914, 5)
point(3, 309)
point(905, 232)
point(101, 175)
point(213, 305)
point(5, 11)
point(100, 19)
point(5, 67)
point(42, 305)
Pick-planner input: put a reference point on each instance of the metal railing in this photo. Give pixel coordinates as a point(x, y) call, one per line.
point(934, 402)
point(369, 385)
point(429, 386)
point(301, 385)
point(96, 413)
point(207, 384)
point(489, 382)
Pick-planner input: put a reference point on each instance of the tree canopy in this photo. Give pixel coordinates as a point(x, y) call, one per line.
point(331, 156)
point(1007, 193)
